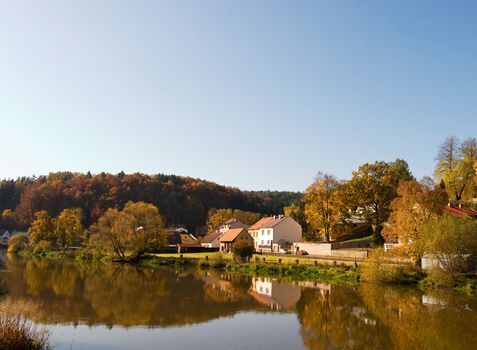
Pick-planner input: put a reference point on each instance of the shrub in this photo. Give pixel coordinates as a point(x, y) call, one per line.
point(18, 333)
point(17, 243)
point(452, 241)
point(379, 270)
point(243, 251)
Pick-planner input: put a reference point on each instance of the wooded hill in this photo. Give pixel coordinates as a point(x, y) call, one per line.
point(182, 201)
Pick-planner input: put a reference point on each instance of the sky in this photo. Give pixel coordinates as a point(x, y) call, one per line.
point(253, 94)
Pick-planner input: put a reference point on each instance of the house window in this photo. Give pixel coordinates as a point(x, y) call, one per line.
point(262, 241)
point(268, 231)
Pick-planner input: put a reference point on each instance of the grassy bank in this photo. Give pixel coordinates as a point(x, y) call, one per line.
point(374, 270)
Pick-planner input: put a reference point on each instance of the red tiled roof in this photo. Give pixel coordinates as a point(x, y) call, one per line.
point(230, 235)
point(460, 212)
point(260, 223)
point(274, 222)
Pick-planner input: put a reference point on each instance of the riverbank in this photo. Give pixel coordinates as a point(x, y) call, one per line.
point(291, 267)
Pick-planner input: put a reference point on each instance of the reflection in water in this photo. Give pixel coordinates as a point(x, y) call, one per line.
point(328, 316)
point(275, 294)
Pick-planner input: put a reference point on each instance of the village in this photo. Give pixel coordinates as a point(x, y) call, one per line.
point(282, 235)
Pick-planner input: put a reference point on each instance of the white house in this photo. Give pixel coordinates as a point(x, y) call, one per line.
point(275, 233)
point(274, 294)
point(212, 240)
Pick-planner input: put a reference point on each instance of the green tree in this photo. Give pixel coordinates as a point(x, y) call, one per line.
point(243, 251)
point(69, 227)
point(42, 228)
point(321, 209)
point(411, 209)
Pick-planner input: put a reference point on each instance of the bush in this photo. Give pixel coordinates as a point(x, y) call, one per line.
point(452, 241)
point(42, 246)
point(17, 243)
point(243, 251)
point(379, 270)
point(17, 333)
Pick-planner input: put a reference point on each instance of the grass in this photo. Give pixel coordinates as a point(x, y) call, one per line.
point(18, 333)
point(359, 239)
point(299, 272)
point(269, 258)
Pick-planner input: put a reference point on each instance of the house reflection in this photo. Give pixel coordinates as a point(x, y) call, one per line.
point(275, 294)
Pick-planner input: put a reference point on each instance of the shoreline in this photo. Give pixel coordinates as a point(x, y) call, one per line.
point(290, 267)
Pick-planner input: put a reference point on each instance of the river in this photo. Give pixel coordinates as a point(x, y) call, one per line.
point(109, 306)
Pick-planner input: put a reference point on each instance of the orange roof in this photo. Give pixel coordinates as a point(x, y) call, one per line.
point(230, 235)
point(260, 223)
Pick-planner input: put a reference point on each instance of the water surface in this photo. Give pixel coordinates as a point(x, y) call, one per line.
point(97, 306)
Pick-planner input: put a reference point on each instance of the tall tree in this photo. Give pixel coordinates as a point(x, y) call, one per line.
point(413, 207)
point(8, 219)
point(69, 227)
point(373, 187)
point(321, 209)
point(468, 151)
point(42, 228)
point(454, 166)
point(129, 233)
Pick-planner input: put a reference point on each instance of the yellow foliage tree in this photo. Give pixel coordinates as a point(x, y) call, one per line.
point(413, 207)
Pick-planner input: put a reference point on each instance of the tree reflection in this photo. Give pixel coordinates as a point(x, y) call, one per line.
point(441, 319)
point(125, 295)
point(335, 318)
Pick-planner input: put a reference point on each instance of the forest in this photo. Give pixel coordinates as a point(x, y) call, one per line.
point(182, 201)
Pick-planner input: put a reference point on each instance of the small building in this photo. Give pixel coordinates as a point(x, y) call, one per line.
point(233, 237)
point(212, 240)
point(179, 236)
point(5, 235)
point(231, 224)
point(276, 233)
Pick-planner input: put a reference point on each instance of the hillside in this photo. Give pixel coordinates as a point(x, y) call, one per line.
point(182, 200)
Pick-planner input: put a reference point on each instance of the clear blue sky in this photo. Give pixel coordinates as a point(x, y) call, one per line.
point(254, 94)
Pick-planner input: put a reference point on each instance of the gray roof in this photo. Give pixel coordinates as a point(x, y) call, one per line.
point(210, 237)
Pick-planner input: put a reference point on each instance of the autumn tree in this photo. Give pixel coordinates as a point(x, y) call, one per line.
point(8, 219)
point(451, 240)
point(129, 233)
point(42, 228)
point(69, 229)
point(373, 187)
point(455, 167)
point(297, 213)
point(321, 209)
point(218, 217)
point(410, 210)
